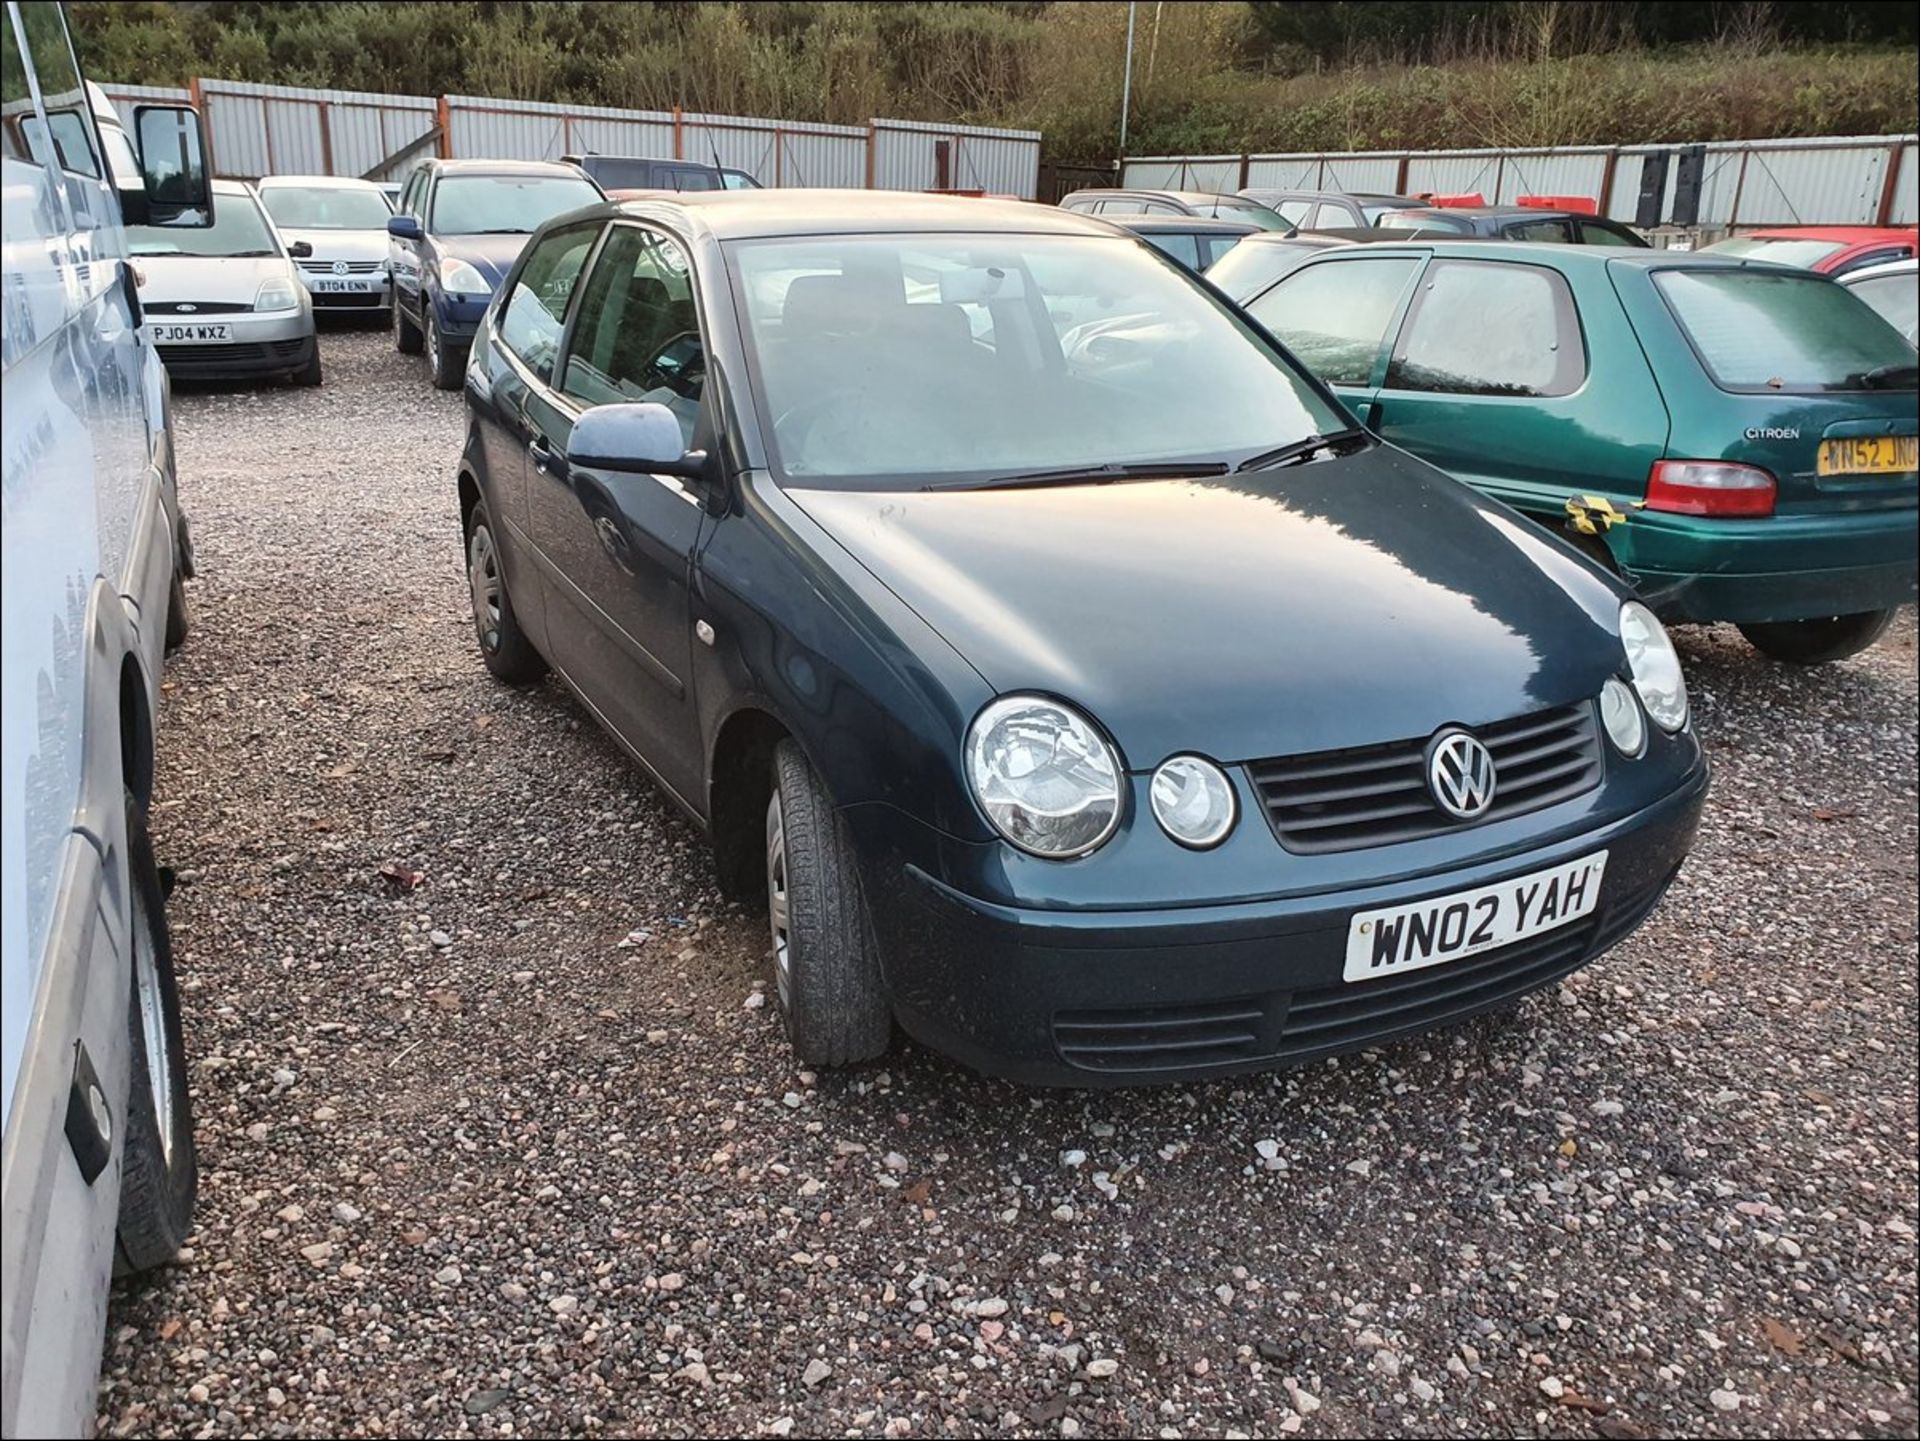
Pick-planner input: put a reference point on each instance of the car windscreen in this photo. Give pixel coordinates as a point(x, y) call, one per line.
point(901, 362)
point(239, 228)
point(1896, 298)
point(325, 207)
point(1423, 220)
point(1247, 269)
point(1774, 332)
point(1250, 212)
point(1804, 253)
point(505, 204)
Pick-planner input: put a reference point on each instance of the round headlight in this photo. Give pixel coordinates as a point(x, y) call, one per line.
point(1654, 665)
point(1044, 776)
point(1620, 713)
point(1193, 801)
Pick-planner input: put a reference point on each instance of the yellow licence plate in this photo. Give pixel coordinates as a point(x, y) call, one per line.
point(1870, 455)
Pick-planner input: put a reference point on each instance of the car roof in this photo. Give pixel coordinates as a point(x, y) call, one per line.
point(1190, 196)
point(1507, 212)
point(232, 187)
point(316, 182)
point(500, 167)
point(1846, 234)
point(1884, 269)
point(1372, 196)
point(1184, 224)
point(1577, 257)
point(744, 214)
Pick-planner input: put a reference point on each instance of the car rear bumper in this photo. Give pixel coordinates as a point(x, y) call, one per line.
point(1104, 998)
point(1785, 567)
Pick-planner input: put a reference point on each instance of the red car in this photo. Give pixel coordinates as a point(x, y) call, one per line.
point(1823, 249)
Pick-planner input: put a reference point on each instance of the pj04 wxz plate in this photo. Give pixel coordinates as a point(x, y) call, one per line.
point(1448, 928)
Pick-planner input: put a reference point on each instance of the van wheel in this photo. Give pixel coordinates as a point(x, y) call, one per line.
point(826, 966)
point(446, 363)
point(406, 335)
point(1815, 642)
point(158, 1171)
point(505, 648)
point(176, 611)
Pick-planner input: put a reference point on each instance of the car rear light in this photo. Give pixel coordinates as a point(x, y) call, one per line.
point(1709, 487)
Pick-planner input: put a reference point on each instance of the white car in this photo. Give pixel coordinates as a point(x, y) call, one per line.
point(345, 221)
point(225, 303)
point(1892, 289)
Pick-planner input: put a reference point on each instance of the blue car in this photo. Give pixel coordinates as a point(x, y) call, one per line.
point(461, 225)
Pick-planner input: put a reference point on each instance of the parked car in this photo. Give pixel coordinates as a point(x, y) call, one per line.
point(1893, 290)
point(1330, 209)
point(1111, 203)
point(460, 225)
point(1514, 222)
point(1737, 439)
point(225, 302)
point(639, 173)
point(1338, 752)
point(1258, 261)
point(344, 224)
point(1824, 249)
point(97, 1173)
point(1195, 241)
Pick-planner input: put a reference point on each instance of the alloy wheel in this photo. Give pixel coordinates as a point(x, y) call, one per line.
point(483, 584)
point(777, 900)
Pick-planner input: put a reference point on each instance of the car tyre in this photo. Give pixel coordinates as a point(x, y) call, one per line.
point(505, 648)
point(446, 363)
point(176, 611)
point(406, 335)
point(309, 374)
point(1815, 642)
point(826, 963)
point(159, 1172)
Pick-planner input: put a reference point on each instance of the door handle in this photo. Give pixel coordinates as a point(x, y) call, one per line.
point(542, 454)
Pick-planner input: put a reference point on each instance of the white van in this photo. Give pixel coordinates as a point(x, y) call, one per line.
point(96, 1161)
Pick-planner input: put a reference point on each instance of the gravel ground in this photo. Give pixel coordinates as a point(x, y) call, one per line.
point(470, 1166)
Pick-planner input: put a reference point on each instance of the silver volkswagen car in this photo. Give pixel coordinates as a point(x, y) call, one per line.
point(225, 303)
point(345, 221)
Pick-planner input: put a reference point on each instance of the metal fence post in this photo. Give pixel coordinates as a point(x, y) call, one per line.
point(326, 137)
point(443, 116)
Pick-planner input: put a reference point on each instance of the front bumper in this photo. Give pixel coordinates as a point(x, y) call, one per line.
point(1781, 568)
point(1112, 997)
point(262, 346)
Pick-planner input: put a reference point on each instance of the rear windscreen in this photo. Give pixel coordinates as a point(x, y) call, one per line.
point(1765, 331)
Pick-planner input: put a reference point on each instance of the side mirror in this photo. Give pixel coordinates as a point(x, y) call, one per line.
point(643, 437)
point(301, 250)
point(176, 183)
point(403, 227)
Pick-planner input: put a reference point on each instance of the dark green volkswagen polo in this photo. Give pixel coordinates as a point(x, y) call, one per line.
point(1738, 440)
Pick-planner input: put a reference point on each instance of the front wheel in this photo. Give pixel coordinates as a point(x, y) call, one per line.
point(447, 363)
point(505, 648)
point(158, 1172)
point(826, 966)
point(1815, 642)
point(309, 374)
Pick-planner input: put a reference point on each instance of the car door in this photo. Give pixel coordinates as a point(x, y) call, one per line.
point(619, 546)
point(404, 255)
point(1336, 315)
point(1502, 380)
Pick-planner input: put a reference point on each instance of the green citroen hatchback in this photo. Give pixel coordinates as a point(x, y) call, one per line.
point(1736, 439)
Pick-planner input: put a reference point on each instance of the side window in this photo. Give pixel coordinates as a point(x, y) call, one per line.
point(1183, 248)
point(1594, 233)
point(1212, 248)
point(1482, 328)
point(411, 197)
point(1551, 232)
point(1122, 207)
point(1295, 212)
point(1334, 316)
point(638, 338)
point(530, 324)
point(70, 145)
point(1155, 208)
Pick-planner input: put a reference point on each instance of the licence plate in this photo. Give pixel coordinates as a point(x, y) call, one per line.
point(326, 285)
point(1448, 928)
point(1870, 455)
point(192, 332)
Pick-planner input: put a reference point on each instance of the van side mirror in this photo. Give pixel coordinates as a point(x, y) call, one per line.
point(642, 437)
point(176, 183)
point(403, 227)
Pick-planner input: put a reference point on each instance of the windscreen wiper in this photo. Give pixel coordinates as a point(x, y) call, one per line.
point(1299, 451)
point(1076, 474)
point(1886, 377)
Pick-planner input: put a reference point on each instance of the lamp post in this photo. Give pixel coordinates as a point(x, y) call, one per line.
point(1126, 84)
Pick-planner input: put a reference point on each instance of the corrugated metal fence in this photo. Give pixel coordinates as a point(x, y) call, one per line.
point(257, 130)
point(1837, 180)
